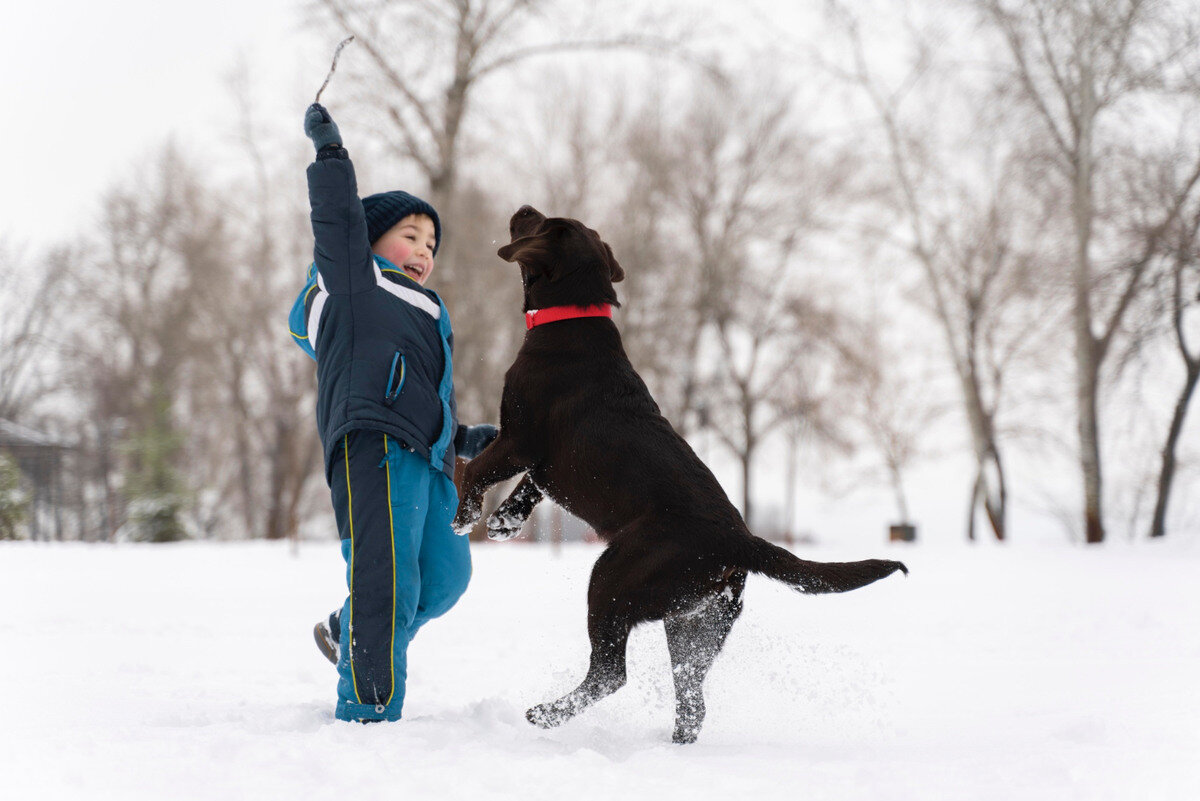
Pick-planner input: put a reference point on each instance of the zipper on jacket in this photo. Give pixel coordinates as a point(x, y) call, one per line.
point(390, 394)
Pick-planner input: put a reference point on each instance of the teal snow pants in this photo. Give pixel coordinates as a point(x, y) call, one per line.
point(404, 565)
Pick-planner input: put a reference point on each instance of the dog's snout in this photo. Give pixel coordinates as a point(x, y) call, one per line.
point(524, 221)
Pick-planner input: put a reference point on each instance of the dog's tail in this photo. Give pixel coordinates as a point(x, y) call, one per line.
point(759, 556)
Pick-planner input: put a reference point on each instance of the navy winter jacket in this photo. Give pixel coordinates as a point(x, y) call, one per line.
point(382, 342)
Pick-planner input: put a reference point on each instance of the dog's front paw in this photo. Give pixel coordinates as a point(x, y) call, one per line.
point(547, 716)
point(466, 518)
point(501, 528)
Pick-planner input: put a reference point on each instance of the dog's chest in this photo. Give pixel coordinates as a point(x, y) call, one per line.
point(540, 384)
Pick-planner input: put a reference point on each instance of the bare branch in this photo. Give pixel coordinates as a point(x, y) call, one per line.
point(628, 42)
point(394, 78)
point(1137, 268)
point(1016, 46)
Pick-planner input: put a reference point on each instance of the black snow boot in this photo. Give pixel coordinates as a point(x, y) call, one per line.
point(328, 633)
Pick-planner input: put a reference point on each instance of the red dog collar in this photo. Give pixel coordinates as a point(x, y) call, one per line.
point(555, 313)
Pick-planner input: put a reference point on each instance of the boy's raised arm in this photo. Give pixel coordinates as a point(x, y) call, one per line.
point(342, 252)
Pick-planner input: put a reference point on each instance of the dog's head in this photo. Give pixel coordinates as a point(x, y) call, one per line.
point(563, 262)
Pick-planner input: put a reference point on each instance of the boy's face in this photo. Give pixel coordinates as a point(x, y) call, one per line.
point(409, 245)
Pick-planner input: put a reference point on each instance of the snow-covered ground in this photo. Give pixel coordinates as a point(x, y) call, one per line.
point(188, 672)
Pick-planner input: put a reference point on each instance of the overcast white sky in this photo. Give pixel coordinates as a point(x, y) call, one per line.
point(88, 85)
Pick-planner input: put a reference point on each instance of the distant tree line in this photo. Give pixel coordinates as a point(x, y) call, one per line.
point(979, 217)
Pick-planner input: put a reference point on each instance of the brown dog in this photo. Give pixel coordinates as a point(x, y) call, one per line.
point(579, 421)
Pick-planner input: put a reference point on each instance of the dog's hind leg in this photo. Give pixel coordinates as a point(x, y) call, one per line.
point(694, 638)
point(609, 624)
point(606, 675)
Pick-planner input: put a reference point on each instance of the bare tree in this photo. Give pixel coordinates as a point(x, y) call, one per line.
point(30, 313)
point(970, 223)
point(888, 400)
point(1183, 280)
point(732, 174)
point(197, 394)
point(1082, 68)
point(266, 383)
point(572, 162)
point(644, 225)
point(425, 63)
point(141, 349)
point(427, 60)
point(714, 202)
point(774, 367)
point(598, 158)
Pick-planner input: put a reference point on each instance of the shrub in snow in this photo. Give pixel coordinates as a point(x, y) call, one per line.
point(155, 490)
point(14, 503)
point(154, 519)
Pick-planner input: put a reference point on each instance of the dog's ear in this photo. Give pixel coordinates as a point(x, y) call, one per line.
point(616, 274)
point(514, 250)
point(531, 251)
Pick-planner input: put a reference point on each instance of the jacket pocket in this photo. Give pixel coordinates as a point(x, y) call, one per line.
point(395, 380)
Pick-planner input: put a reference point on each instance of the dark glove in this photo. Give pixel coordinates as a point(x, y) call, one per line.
point(469, 441)
point(320, 127)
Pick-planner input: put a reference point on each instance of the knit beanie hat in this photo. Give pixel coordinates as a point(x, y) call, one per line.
point(385, 209)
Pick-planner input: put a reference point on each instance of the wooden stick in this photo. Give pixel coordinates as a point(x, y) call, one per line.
point(333, 66)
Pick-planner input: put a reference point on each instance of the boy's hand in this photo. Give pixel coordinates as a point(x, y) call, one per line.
point(320, 127)
point(471, 440)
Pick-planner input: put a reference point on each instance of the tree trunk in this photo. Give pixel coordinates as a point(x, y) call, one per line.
point(746, 486)
point(245, 453)
point(281, 462)
point(691, 388)
point(990, 489)
point(751, 442)
point(789, 513)
point(973, 504)
point(1089, 450)
point(995, 506)
point(1087, 352)
point(898, 488)
point(1167, 474)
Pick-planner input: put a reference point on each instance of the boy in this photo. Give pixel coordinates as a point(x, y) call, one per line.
point(386, 417)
